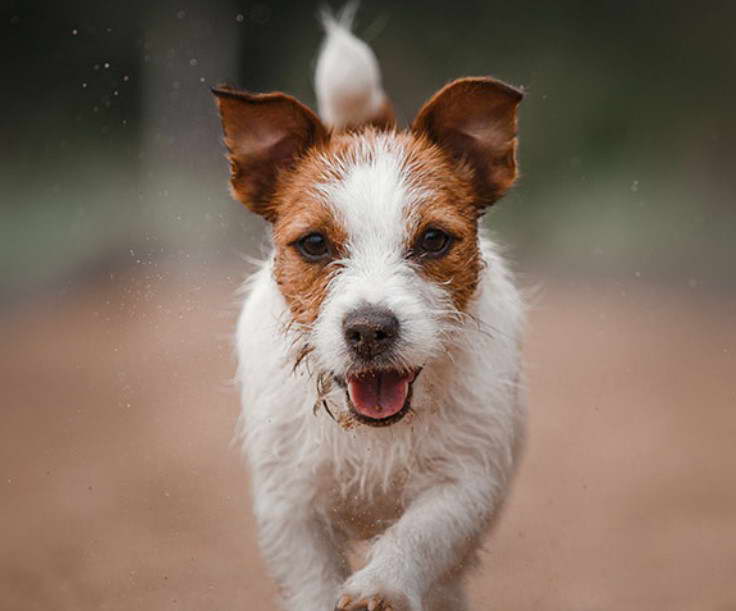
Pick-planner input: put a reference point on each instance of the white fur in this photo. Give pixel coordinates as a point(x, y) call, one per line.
point(423, 490)
point(375, 203)
point(446, 471)
point(347, 77)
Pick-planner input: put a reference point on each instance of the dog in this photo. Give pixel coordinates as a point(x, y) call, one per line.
point(379, 343)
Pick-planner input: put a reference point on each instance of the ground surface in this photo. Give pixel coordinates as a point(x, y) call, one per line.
point(119, 489)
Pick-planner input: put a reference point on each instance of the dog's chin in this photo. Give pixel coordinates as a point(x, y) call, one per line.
point(379, 397)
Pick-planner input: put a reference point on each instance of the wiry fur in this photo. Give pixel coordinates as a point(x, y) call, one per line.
point(423, 490)
point(449, 465)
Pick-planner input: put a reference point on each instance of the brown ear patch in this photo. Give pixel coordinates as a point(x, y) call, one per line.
point(264, 135)
point(474, 121)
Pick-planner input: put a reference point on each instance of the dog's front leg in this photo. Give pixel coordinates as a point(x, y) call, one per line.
point(430, 541)
point(304, 555)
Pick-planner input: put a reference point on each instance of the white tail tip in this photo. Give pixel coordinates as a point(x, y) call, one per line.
point(347, 77)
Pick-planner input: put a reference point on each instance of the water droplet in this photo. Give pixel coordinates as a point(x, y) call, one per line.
point(84, 85)
point(193, 62)
point(635, 186)
point(107, 65)
point(115, 92)
point(239, 18)
point(126, 78)
point(75, 32)
point(201, 79)
point(181, 14)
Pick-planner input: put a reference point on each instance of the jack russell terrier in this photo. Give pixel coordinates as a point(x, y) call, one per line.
point(379, 344)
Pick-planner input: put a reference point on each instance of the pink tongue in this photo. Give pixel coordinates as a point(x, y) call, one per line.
point(379, 395)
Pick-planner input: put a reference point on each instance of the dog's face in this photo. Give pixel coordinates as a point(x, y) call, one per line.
point(375, 230)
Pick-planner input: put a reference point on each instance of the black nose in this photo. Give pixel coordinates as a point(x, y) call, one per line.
point(370, 331)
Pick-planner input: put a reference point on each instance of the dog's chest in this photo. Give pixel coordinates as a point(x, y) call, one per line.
point(363, 518)
point(363, 512)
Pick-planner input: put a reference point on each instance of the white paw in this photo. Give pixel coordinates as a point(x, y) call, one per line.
point(367, 595)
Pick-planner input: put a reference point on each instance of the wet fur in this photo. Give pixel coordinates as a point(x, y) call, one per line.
point(424, 490)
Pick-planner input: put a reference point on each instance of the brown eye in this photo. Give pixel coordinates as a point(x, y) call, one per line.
point(313, 247)
point(433, 243)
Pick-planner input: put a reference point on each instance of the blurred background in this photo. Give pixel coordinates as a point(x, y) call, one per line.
point(120, 255)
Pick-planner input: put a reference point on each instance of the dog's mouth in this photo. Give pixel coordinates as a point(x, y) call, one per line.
point(381, 397)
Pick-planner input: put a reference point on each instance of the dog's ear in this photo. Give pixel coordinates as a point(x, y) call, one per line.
point(474, 120)
point(264, 134)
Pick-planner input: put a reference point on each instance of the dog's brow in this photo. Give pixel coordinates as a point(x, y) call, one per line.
point(373, 196)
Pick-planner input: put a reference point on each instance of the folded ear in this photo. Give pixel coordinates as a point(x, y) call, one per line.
point(264, 134)
point(474, 120)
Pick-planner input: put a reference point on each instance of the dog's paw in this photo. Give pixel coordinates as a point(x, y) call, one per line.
point(379, 587)
point(378, 600)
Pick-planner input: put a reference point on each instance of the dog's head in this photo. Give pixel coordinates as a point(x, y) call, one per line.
point(375, 230)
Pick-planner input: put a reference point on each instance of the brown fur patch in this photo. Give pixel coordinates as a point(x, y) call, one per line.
point(299, 209)
point(303, 283)
point(454, 209)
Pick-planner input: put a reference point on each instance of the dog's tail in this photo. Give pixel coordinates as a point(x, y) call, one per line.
point(347, 77)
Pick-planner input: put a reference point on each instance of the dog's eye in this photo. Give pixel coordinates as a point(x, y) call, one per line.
point(433, 243)
point(313, 247)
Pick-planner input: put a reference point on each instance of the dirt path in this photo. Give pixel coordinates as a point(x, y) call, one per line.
point(119, 489)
